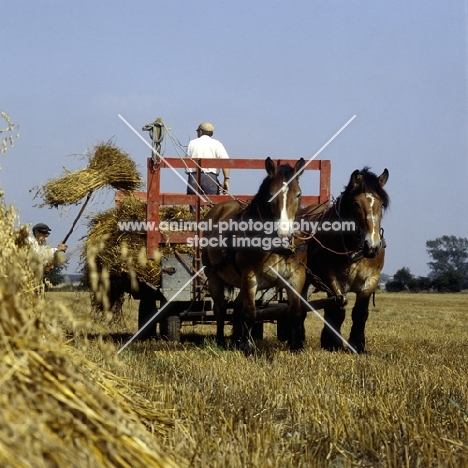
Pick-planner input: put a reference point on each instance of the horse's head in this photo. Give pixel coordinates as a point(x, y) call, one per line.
point(284, 194)
point(363, 201)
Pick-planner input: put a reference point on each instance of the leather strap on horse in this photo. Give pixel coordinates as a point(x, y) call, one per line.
point(354, 255)
point(348, 252)
point(316, 278)
point(231, 255)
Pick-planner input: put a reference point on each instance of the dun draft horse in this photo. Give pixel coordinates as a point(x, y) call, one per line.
point(246, 241)
point(346, 260)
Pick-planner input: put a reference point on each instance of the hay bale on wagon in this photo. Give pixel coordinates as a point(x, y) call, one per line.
point(58, 407)
point(115, 261)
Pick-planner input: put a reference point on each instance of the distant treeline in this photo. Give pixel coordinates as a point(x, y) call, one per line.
point(449, 281)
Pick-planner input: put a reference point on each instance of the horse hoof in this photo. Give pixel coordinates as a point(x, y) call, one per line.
point(245, 348)
point(356, 349)
point(221, 343)
point(296, 347)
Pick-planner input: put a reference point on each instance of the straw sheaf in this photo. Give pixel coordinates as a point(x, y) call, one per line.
point(58, 408)
point(121, 256)
point(62, 408)
point(120, 252)
point(108, 165)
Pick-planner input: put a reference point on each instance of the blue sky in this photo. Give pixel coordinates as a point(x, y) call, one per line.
point(276, 79)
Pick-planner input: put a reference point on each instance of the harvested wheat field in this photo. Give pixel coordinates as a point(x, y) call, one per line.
point(60, 408)
point(70, 400)
point(405, 403)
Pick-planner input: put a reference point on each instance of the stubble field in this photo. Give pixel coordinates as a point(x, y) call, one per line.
point(405, 403)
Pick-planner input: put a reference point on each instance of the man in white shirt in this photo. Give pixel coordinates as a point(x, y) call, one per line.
point(47, 254)
point(207, 147)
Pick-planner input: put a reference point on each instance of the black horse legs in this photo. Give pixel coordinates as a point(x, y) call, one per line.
point(360, 314)
point(334, 318)
point(297, 332)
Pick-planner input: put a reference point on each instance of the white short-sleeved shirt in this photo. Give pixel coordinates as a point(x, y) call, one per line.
point(44, 252)
point(206, 147)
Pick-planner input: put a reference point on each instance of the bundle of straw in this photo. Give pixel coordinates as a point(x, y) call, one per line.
point(122, 255)
point(108, 165)
point(58, 408)
point(118, 251)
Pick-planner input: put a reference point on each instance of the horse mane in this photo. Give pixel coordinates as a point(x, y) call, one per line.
point(369, 182)
point(284, 172)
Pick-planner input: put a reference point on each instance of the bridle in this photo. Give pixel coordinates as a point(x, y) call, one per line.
point(354, 255)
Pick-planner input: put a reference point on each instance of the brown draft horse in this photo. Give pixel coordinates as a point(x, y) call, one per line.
point(341, 261)
point(258, 238)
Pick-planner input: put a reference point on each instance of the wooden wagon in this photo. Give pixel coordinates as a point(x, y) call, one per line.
point(181, 297)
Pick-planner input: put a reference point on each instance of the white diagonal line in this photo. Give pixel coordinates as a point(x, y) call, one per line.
point(160, 310)
point(313, 310)
point(314, 156)
point(160, 156)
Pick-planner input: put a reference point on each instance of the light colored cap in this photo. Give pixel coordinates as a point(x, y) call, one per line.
point(206, 127)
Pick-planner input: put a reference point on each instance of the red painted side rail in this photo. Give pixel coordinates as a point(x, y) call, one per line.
point(156, 199)
point(182, 163)
point(169, 198)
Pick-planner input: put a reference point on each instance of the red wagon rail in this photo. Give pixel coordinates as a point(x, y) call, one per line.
point(156, 198)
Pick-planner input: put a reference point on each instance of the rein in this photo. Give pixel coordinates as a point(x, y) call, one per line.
point(355, 255)
point(348, 252)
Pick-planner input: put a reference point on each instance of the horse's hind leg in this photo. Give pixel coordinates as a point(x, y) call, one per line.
point(331, 339)
point(249, 312)
point(360, 314)
point(216, 289)
point(237, 321)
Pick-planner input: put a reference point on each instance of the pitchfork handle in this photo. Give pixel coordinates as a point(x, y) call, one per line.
point(77, 218)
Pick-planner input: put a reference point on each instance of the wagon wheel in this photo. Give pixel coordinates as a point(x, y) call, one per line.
point(169, 322)
point(169, 328)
